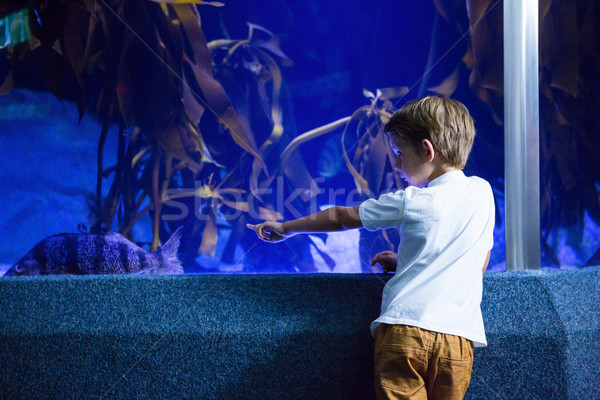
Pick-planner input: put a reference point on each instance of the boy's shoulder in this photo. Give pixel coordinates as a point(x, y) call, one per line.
point(480, 182)
point(459, 177)
point(454, 185)
point(449, 184)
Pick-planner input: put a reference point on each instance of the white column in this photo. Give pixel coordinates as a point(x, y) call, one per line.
point(521, 135)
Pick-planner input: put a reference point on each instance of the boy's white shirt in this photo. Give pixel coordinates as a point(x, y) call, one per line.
point(446, 231)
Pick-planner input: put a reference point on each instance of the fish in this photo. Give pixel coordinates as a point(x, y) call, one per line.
point(88, 254)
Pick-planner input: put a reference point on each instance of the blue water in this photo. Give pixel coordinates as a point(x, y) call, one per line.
point(48, 160)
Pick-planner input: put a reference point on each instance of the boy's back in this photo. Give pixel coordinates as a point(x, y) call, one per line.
point(446, 232)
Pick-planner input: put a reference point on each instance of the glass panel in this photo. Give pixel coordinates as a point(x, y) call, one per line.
point(569, 126)
point(258, 130)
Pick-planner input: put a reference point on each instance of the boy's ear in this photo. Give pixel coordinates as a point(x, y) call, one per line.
point(428, 150)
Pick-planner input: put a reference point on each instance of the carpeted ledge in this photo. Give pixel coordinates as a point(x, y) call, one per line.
point(275, 336)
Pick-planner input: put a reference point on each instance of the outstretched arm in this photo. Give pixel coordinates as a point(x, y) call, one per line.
point(336, 218)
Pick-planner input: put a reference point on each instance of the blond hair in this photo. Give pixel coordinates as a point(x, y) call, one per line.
point(445, 122)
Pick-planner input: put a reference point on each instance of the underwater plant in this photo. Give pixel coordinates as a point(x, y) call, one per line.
point(251, 71)
point(97, 50)
point(146, 67)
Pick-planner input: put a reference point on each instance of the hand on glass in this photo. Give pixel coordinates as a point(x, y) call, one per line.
point(387, 260)
point(270, 231)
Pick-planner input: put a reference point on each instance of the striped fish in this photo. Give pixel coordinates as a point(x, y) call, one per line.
point(84, 254)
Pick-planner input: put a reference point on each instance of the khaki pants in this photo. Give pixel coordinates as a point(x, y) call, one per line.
point(414, 363)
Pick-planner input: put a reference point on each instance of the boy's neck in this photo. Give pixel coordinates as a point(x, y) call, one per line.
point(440, 170)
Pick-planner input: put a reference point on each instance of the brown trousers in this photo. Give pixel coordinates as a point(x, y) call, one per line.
point(414, 363)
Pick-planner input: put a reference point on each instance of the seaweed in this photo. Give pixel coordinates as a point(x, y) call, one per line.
point(137, 50)
point(146, 67)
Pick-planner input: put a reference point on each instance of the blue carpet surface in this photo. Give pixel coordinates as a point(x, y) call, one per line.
point(275, 336)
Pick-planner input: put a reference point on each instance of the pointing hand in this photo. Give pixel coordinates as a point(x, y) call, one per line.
point(270, 231)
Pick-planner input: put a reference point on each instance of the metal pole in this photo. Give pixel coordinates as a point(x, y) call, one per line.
point(521, 135)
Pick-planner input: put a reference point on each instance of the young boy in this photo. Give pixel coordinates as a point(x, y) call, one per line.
point(430, 313)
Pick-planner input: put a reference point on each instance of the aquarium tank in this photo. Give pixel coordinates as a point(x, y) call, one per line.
point(153, 120)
